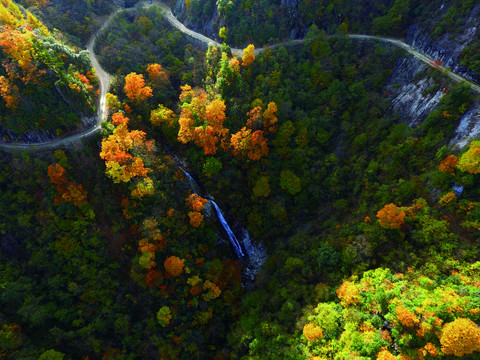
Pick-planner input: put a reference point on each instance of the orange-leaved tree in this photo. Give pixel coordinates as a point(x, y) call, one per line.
point(254, 118)
point(201, 120)
point(348, 293)
point(174, 265)
point(246, 143)
point(406, 317)
point(18, 45)
point(460, 337)
point(391, 216)
point(157, 75)
point(248, 55)
point(9, 92)
point(195, 203)
point(117, 152)
point(70, 191)
point(312, 332)
point(119, 118)
point(270, 118)
point(234, 65)
point(213, 291)
point(135, 88)
point(448, 164)
point(385, 355)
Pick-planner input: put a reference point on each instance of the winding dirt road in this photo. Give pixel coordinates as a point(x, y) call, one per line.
point(104, 77)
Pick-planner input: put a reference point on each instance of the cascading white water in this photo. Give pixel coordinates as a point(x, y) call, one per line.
point(253, 256)
point(228, 230)
point(192, 180)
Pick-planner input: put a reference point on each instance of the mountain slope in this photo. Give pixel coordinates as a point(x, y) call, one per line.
point(46, 88)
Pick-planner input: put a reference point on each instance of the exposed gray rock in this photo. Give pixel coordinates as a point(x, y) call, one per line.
point(448, 47)
point(468, 127)
point(408, 86)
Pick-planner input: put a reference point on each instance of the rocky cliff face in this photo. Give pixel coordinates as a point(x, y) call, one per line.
point(409, 87)
point(409, 82)
point(448, 47)
point(468, 127)
point(206, 27)
point(291, 11)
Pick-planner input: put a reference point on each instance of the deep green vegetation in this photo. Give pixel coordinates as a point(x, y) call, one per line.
point(76, 19)
point(155, 42)
point(107, 253)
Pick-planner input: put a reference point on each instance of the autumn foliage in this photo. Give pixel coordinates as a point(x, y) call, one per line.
point(157, 75)
point(201, 120)
point(470, 160)
point(401, 316)
point(162, 115)
point(196, 218)
point(448, 164)
point(19, 46)
point(391, 217)
point(246, 143)
point(406, 317)
point(248, 55)
point(195, 203)
point(174, 265)
point(212, 291)
point(148, 247)
point(116, 151)
point(135, 88)
point(119, 118)
point(386, 355)
point(70, 191)
point(254, 118)
point(312, 332)
point(234, 65)
point(348, 293)
point(460, 337)
point(270, 118)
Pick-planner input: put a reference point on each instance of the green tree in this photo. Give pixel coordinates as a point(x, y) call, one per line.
point(261, 187)
point(290, 182)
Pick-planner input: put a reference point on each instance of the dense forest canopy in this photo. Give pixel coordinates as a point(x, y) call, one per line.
point(352, 231)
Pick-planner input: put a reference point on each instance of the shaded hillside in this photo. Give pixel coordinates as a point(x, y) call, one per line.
point(46, 88)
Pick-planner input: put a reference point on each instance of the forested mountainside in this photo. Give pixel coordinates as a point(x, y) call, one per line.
point(305, 201)
point(46, 88)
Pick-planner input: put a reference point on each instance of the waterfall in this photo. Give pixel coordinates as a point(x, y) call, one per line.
point(252, 256)
point(231, 235)
point(193, 183)
point(233, 239)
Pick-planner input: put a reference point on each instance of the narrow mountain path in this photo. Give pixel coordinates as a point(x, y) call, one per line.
point(104, 80)
point(104, 77)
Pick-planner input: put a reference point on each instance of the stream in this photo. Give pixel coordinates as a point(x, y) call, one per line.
point(251, 255)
